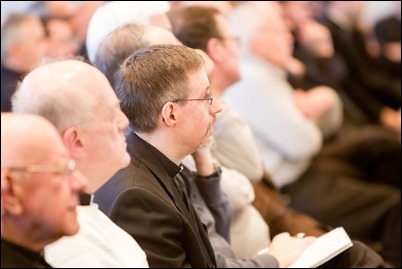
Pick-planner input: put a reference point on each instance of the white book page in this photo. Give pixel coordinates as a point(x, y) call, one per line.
point(323, 249)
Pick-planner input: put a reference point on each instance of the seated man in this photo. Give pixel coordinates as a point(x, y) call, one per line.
point(40, 205)
point(86, 112)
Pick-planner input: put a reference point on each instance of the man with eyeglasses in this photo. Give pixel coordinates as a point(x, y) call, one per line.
point(79, 101)
point(40, 203)
point(165, 94)
point(210, 202)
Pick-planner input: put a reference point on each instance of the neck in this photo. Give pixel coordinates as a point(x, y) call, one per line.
point(27, 238)
point(166, 144)
point(219, 84)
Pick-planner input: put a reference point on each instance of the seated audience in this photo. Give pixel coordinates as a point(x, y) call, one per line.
point(79, 101)
point(136, 36)
point(290, 142)
point(234, 144)
point(367, 83)
point(159, 162)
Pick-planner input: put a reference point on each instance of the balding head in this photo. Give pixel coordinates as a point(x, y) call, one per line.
point(64, 92)
point(125, 40)
point(18, 148)
point(78, 99)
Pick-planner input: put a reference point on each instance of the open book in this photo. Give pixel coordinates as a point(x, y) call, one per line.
point(323, 249)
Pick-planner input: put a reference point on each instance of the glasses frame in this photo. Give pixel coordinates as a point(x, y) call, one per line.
point(37, 168)
point(235, 39)
point(210, 99)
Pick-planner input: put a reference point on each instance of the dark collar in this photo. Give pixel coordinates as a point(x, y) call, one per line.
point(138, 146)
point(15, 256)
point(85, 199)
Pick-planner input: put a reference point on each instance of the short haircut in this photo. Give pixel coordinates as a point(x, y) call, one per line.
point(195, 25)
point(151, 77)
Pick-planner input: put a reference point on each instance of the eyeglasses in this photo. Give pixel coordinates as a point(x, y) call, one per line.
point(209, 98)
point(67, 170)
point(235, 39)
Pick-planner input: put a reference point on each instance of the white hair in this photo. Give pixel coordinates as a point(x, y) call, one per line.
point(118, 13)
point(245, 21)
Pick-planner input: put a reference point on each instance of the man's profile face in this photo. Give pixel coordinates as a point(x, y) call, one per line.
point(49, 195)
point(197, 117)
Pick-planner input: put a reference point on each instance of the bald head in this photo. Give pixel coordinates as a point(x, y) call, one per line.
point(18, 148)
point(78, 99)
point(64, 92)
point(27, 138)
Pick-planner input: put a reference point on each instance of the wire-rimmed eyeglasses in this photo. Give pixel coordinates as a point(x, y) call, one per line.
point(52, 169)
point(209, 98)
point(235, 39)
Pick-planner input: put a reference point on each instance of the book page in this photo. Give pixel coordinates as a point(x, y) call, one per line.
point(323, 249)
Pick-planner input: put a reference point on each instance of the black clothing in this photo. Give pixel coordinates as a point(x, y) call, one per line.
point(13, 256)
point(144, 200)
point(9, 81)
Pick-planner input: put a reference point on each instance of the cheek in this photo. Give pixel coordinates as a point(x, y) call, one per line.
point(52, 209)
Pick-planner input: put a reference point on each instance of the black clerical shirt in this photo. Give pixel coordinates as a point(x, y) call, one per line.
point(14, 256)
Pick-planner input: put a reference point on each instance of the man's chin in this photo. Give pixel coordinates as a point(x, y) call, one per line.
point(207, 142)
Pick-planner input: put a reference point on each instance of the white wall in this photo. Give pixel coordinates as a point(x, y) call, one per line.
point(376, 10)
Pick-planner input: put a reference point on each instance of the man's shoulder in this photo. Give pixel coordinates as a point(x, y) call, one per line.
point(136, 177)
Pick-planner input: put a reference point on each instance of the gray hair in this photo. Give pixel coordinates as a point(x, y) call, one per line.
point(245, 21)
point(63, 105)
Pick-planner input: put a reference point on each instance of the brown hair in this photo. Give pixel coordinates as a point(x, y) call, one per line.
point(152, 76)
point(195, 25)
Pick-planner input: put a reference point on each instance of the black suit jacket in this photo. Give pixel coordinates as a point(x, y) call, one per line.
point(9, 82)
point(143, 200)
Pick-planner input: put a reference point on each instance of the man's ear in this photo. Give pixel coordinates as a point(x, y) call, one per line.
point(168, 114)
point(10, 200)
point(74, 142)
point(215, 49)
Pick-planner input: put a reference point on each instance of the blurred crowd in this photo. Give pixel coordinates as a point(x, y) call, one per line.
point(199, 133)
